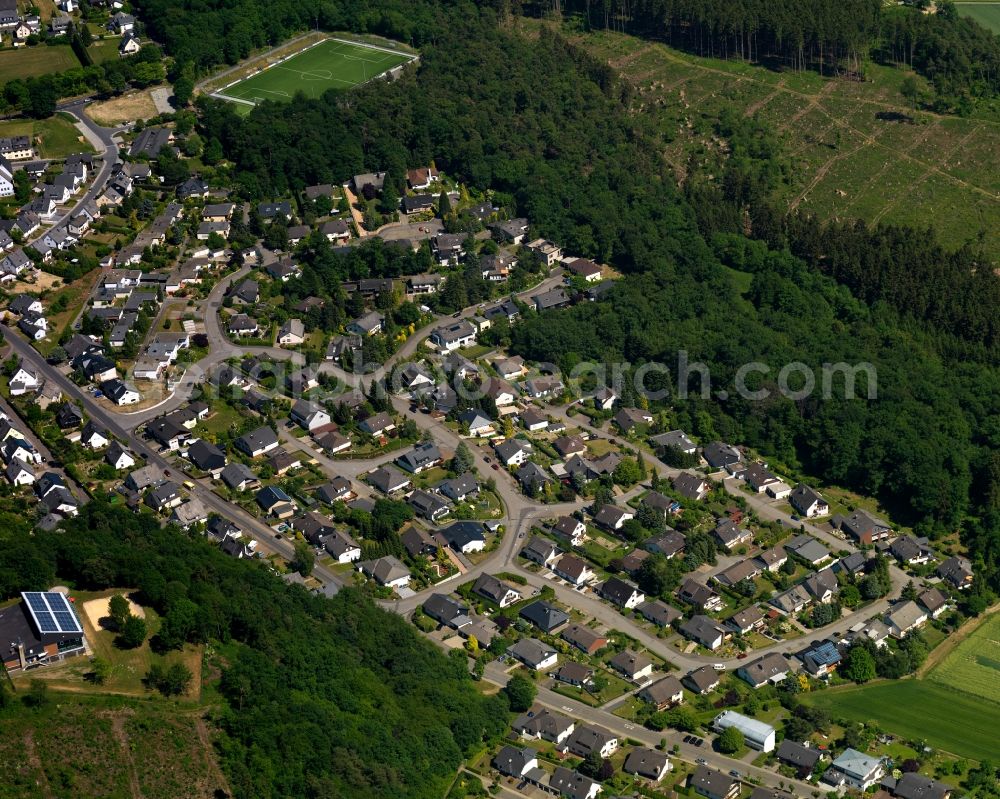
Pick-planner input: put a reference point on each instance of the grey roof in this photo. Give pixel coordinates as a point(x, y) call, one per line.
point(798, 755)
point(531, 651)
point(544, 616)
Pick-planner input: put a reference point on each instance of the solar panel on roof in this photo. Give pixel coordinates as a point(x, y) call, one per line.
point(36, 601)
point(52, 612)
point(65, 620)
point(45, 622)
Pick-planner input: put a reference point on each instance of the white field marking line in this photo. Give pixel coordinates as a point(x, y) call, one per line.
point(313, 75)
point(222, 96)
point(373, 47)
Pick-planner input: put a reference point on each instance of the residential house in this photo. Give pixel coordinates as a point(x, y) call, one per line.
point(669, 544)
point(545, 616)
point(720, 455)
point(422, 457)
point(691, 486)
point(802, 758)
point(704, 631)
point(699, 595)
point(512, 452)
point(573, 570)
point(274, 500)
point(513, 762)
point(585, 269)
point(713, 784)
point(465, 536)
point(584, 639)
point(165, 496)
point(496, 591)
point(587, 740)
point(933, 601)
point(822, 585)
point(611, 517)
point(703, 680)
point(239, 477)
point(119, 457)
point(571, 529)
point(905, 617)
point(674, 440)
point(541, 551)
point(911, 551)
point(821, 659)
point(386, 571)
point(207, 457)
point(576, 674)
point(258, 442)
point(378, 425)
point(792, 601)
point(570, 784)
point(460, 488)
point(730, 535)
point(957, 572)
point(771, 668)
point(341, 547)
point(864, 528)
point(658, 612)
point(428, 505)
point(647, 763)
point(621, 593)
point(292, 333)
point(747, 620)
point(807, 548)
point(388, 479)
point(628, 419)
point(632, 665)
point(854, 769)
point(808, 502)
point(664, 693)
point(912, 785)
point(534, 654)
point(119, 392)
point(545, 725)
point(309, 415)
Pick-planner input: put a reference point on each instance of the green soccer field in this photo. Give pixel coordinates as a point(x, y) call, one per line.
point(331, 64)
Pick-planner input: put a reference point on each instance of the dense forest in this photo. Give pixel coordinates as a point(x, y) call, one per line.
point(959, 56)
point(324, 697)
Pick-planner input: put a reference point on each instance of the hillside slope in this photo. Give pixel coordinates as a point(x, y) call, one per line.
point(847, 149)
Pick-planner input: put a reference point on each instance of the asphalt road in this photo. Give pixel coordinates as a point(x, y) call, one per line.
point(107, 150)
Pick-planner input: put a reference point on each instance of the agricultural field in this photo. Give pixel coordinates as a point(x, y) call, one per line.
point(330, 64)
point(986, 14)
point(848, 149)
point(55, 137)
point(89, 746)
point(30, 62)
point(947, 719)
point(973, 666)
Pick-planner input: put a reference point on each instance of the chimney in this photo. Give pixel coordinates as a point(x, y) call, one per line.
point(20, 655)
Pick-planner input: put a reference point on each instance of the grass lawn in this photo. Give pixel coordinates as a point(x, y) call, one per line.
point(128, 666)
point(223, 417)
point(986, 14)
point(76, 294)
point(331, 64)
point(55, 137)
point(102, 50)
point(919, 709)
point(30, 62)
point(615, 687)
